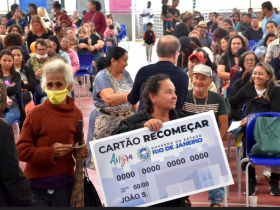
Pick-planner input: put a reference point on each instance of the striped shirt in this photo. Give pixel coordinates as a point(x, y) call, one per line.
point(215, 102)
point(273, 50)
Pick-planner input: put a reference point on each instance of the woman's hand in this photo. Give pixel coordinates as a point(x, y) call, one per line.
point(153, 125)
point(81, 152)
point(25, 82)
point(62, 149)
point(243, 122)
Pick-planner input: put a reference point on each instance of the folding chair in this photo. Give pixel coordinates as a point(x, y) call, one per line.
point(250, 142)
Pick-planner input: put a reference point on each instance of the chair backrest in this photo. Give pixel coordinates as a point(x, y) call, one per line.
point(123, 31)
point(85, 60)
point(252, 44)
point(251, 121)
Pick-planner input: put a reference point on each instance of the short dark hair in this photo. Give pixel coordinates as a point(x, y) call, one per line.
point(34, 6)
point(14, 7)
point(114, 52)
point(168, 48)
point(241, 51)
point(57, 29)
point(149, 24)
point(111, 26)
point(196, 41)
point(57, 5)
point(12, 39)
point(267, 5)
point(250, 9)
point(241, 59)
point(271, 21)
point(15, 26)
point(254, 17)
point(152, 85)
point(230, 41)
point(267, 37)
point(41, 42)
point(55, 39)
point(248, 15)
point(97, 4)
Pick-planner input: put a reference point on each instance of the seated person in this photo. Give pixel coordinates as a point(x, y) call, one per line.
point(83, 39)
point(275, 63)
point(36, 63)
point(159, 101)
point(109, 33)
point(261, 50)
point(3, 31)
point(12, 81)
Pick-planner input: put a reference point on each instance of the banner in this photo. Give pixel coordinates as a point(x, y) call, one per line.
point(143, 168)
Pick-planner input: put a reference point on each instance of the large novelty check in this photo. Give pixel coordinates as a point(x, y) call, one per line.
point(143, 168)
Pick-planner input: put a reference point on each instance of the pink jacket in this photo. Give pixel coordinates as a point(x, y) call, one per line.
point(108, 33)
point(75, 63)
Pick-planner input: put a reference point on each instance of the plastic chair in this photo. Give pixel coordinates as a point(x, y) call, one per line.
point(86, 70)
point(250, 142)
point(252, 44)
point(122, 34)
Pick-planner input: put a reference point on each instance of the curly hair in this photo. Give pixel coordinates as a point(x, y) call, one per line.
point(152, 85)
point(230, 41)
point(18, 28)
point(12, 39)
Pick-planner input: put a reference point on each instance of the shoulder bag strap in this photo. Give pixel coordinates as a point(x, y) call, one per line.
point(93, 16)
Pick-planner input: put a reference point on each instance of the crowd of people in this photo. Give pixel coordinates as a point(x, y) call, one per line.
point(199, 65)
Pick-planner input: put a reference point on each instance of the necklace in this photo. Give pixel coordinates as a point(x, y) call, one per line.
point(195, 107)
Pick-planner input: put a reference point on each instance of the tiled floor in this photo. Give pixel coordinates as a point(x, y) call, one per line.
point(198, 200)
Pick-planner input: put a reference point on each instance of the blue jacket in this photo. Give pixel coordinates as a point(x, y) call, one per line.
point(22, 23)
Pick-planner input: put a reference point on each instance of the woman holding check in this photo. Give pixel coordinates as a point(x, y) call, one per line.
point(49, 139)
point(159, 101)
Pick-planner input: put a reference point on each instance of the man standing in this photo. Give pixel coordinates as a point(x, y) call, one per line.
point(147, 15)
point(250, 11)
point(182, 29)
point(167, 51)
point(200, 100)
point(215, 23)
point(206, 40)
point(210, 18)
point(255, 32)
point(245, 24)
point(269, 15)
point(176, 16)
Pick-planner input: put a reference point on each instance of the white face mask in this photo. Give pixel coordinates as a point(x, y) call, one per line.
point(41, 57)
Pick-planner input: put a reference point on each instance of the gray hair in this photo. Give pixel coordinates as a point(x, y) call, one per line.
point(270, 71)
point(49, 41)
point(57, 64)
point(167, 46)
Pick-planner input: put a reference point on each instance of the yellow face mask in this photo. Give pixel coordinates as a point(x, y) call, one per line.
point(58, 96)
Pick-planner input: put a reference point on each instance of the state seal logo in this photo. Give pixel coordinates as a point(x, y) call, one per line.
point(144, 153)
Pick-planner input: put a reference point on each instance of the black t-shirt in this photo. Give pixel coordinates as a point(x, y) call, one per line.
point(175, 13)
point(94, 40)
point(33, 37)
point(228, 61)
point(209, 23)
point(181, 30)
point(214, 27)
point(164, 9)
point(78, 23)
point(251, 34)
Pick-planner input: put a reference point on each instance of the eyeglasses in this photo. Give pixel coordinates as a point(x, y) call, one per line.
point(15, 31)
point(41, 50)
point(250, 60)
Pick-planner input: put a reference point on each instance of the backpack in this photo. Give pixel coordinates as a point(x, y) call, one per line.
point(257, 105)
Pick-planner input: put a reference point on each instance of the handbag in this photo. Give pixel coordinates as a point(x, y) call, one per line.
point(91, 196)
point(267, 136)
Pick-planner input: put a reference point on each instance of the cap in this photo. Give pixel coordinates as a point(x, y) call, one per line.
point(202, 23)
point(198, 56)
point(202, 69)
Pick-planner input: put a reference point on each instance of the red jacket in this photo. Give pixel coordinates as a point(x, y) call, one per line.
point(63, 17)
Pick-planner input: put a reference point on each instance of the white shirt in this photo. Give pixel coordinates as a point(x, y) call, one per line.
point(147, 19)
point(260, 92)
point(117, 25)
point(273, 50)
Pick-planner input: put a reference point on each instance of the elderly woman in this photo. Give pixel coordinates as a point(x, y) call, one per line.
point(159, 101)
point(262, 82)
point(111, 87)
point(49, 139)
point(37, 30)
